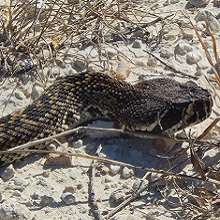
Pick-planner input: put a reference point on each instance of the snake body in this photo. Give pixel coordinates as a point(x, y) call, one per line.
point(160, 105)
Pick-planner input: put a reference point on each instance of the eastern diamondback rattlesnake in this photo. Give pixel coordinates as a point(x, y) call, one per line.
point(159, 105)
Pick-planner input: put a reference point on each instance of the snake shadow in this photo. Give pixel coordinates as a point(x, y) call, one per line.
point(139, 152)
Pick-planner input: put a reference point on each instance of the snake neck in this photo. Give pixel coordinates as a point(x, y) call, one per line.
point(69, 102)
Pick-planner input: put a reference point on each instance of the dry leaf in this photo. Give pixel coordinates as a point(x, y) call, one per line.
point(197, 163)
point(214, 174)
point(124, 69)
point(56, 160)
point(55, 42)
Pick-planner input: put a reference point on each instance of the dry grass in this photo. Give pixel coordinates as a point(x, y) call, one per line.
point(29, 29)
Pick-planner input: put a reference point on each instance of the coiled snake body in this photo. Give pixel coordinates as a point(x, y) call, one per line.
point(159, 105)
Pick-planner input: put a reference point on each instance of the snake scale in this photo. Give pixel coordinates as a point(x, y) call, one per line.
point(160, 105)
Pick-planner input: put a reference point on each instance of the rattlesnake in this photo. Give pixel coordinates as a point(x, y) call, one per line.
point(160, 105)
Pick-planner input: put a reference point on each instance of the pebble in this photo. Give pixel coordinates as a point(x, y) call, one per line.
point(170, 37)
point(10, 210)
point(45, 200)
point(126, 173)
point(152, 62)
point(19, 184)
point(137, 44)
point(43, 182)
point(171, 2)
point(68, 198)
point(214, 25)
point(27, 89)
point(213, 22)
point(35, 196)
point(36, 91)
point(111, 53)
point(201, 26)
point(114, 169)
point(78, 144)
point(109, 179)
point(182, 48)
point(8, 172)
point(79, 65)
point(69, 189)
point(16, 194)
point(19, 95)
point(216, 2)
point(193, 58)
point(199, 3)
point(55, 71)
point(118, 196)
point(166, 54)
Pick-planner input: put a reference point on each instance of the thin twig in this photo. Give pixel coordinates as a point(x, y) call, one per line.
point(92, 200)
point(109, 161)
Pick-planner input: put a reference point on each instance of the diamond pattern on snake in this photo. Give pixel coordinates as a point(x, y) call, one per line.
point(159, 105)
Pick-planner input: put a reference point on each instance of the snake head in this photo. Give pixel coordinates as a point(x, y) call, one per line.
point(164, 105)
point(194, 105)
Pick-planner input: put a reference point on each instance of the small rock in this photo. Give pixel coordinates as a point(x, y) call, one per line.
point(108, 179)
point(201, 26)
point(20, 184)
point(188, 35)
point(199, 3)
point(73, 1)
point(152, 62)
point(136, 44)
point(79, 186)
point(139, 184)
point(118, 196)
point(69, 189)
point(8, 172)
point(182, 48)
point(216, 2)
point(55, 71)
point(79, 65)
point(114, 169)
point(213, 22)
point(126, 173)
point(107, 186)
point(102, 170)
point(36, 91)
point(171, 2)
point(10, 210)
point(58, 160)
point(166, 54)
point(16, 194)
point(170, 37)
point(78, 144)
point(42, 181)
point(193, 58)
point(45, 200)
point(20, 95)
point(174, 201)
point(27, 89)
point(35, 196)
point(46, 174)
point(111, 53)
point(68, 198)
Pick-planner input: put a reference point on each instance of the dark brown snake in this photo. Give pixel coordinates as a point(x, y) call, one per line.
point(160, 105)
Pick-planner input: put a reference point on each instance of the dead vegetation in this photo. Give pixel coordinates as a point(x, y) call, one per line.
point(33, 34)
point(36, 36)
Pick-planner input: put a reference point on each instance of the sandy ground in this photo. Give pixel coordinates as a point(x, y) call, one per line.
point(47, 187)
